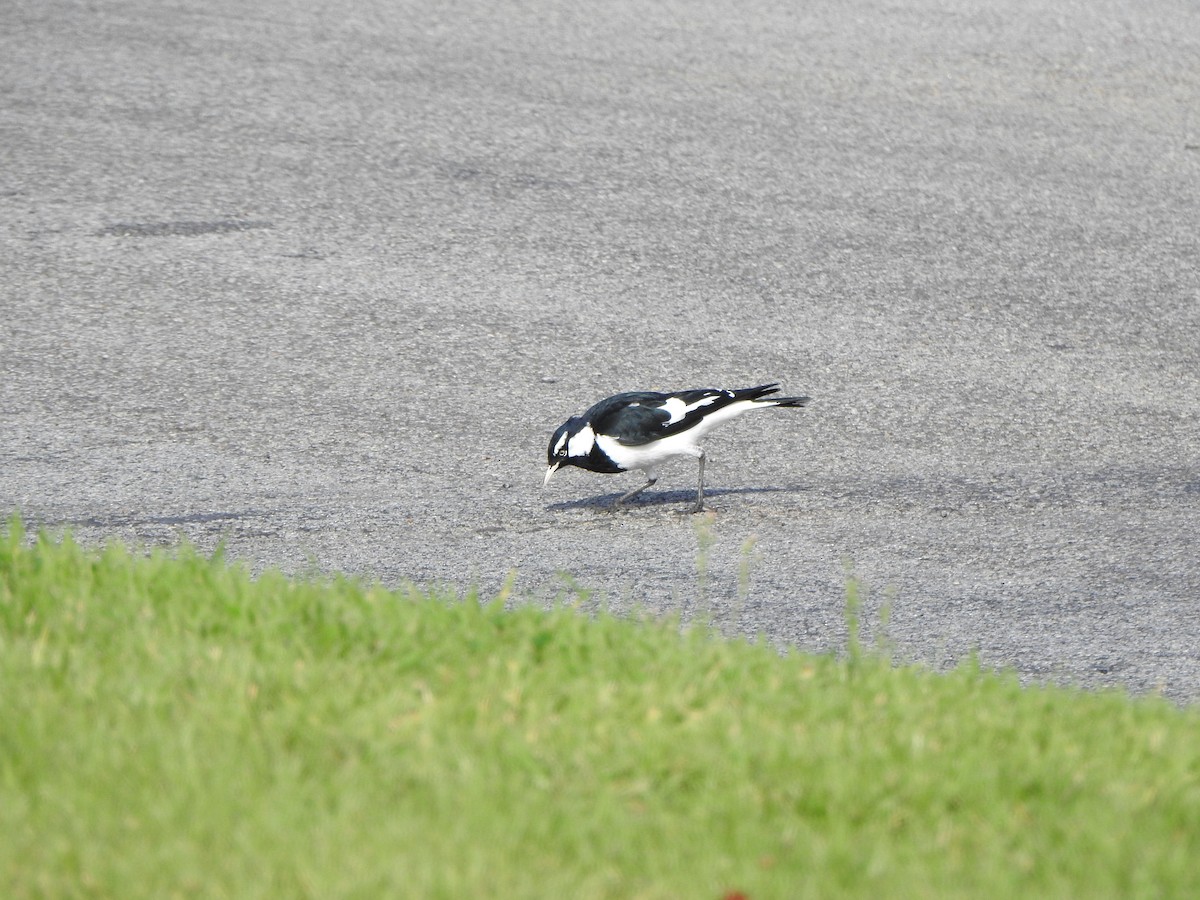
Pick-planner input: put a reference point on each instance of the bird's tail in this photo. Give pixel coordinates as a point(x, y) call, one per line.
point(761, 393)
point(796, 402)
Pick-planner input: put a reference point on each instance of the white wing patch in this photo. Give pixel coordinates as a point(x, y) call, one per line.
point(677, 409)
point(581, 442)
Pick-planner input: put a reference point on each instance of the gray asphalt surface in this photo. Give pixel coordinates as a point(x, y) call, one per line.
point(319, 280)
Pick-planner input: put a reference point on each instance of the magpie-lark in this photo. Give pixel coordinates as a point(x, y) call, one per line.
point(641, 429)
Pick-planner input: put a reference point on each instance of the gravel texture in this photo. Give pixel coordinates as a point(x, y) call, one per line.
point(318, 281)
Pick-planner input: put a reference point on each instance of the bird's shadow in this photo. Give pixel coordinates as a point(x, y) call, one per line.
point(664, 498)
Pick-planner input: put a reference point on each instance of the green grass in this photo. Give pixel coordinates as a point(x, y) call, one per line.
point(170, 726)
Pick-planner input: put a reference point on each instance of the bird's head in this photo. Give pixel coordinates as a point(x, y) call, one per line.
point(571, 443)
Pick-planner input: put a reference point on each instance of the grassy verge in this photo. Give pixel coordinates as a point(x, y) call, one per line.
point(171, 727)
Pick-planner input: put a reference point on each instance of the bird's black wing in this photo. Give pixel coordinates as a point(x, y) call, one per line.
point(703, 402)
point(636, 417)
point(640, 417)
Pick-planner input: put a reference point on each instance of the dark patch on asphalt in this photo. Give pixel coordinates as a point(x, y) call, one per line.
point(180, 229)
point(197, 518)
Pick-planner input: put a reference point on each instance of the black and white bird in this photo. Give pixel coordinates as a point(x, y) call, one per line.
point(643, 429)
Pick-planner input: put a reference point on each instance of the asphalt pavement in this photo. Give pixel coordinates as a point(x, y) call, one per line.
point(318, 280)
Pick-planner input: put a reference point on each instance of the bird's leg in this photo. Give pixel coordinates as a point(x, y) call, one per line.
point(699, 507)
point(620, 504)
